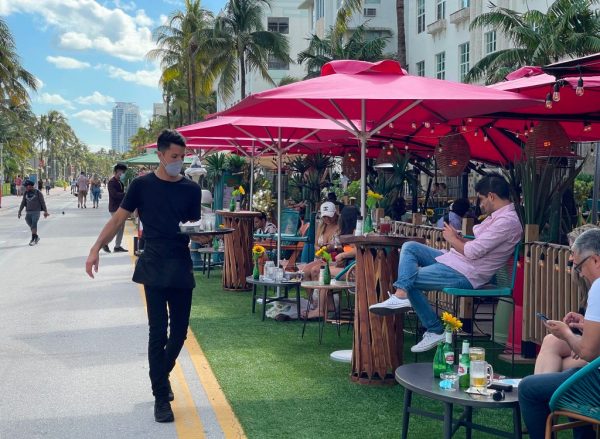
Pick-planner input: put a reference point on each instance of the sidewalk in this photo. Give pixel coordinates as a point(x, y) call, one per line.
point(73, 350)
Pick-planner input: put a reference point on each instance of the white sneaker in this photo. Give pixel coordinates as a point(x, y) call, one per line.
point(429, 341)
point(392, 305)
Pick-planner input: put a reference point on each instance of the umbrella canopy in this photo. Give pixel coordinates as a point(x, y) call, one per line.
point(377, 94)
point(149, 159)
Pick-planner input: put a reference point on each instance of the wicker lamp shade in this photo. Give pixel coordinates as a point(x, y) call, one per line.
point(452, 155)
point(351, 165)
point(548, 139)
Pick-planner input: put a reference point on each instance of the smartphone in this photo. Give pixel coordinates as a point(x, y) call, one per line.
point(541, 316)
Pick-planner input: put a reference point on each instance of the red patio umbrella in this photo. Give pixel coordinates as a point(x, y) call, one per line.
point(377, 94)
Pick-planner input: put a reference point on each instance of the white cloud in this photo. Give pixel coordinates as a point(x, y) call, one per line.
point(97, 118)
point(126, 6)
point(54, 99)
point(95, 98)
point(64, 62)
point(40, 83)
point(148, 78)
point(112, 31)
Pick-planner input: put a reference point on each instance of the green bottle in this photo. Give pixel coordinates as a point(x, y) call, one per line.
point(439, 362)
point(464, 363)
point(449, 352)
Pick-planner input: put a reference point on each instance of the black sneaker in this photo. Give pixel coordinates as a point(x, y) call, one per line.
point(37, 239)
point(120, 250)
point(106, 248)
point(32, 242)
point(171, 396)
point(163, 412)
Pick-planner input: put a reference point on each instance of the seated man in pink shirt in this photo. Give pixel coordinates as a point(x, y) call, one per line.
point(469, 264)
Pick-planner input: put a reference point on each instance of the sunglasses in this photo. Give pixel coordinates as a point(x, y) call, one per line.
point(578, 267)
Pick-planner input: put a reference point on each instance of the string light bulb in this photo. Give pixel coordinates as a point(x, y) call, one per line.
point(556, 264)
point(413, 125)
point(426, 124)
point(528, 255)
point(556, 92)
point(579, 88)
point(531, 128)
point(587, 126)
point(485, 137)
point(476, 133)
point(549, 101)
point(569, 266)
point(542, 262)
point(391, 125)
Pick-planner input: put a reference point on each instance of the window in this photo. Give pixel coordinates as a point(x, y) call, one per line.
point(440, 65)
point(440, 13)
point(421, 68)
point(465, 3)
point(420, 16)
point(490, 42)
point(463, 61)
point(277, 64)
point(278, 24)
point(370, 12)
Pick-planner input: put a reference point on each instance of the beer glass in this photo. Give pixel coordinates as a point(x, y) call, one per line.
point(477, 354)
point(481, 374)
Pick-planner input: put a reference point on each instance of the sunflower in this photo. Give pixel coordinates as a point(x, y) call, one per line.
point(258, 251)
point(451, 323)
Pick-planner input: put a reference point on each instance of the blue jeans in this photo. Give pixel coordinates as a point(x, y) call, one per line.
point(418, 271)
point(535, 392)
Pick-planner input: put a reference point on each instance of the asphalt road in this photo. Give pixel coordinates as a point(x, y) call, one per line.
point(73, 350)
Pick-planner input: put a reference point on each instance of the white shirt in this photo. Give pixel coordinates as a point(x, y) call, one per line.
point(592, 312)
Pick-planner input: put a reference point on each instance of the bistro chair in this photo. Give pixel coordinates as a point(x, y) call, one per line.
point(578, 398)
point(501, 288)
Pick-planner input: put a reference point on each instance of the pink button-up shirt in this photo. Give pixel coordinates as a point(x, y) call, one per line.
point(494, 243)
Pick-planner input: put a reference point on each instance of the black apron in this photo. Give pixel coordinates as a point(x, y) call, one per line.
point(165, 263)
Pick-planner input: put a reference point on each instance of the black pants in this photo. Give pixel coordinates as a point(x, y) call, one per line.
point(162, 349)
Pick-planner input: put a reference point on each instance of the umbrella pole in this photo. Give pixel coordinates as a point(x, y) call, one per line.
point(279, 200)
point(596, 190)
point(363, 159)
point(251, 178)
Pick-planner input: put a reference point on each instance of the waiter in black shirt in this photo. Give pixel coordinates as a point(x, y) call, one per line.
point(163, 199)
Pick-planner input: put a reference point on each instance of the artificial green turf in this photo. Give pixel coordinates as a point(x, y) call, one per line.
point(281, 385)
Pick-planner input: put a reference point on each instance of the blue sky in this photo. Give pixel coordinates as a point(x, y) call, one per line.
point(88, 54)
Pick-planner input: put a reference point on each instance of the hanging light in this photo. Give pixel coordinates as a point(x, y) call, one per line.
point(569, 266)
point(391, 125)
point(485, 137)
point(432, 130)
point(406, 147)
point(426, 124)
point(469, 119)
point(556, 93)
point(531, 128)
point(549, 101)
point(556, 264)
point(579, 89)
point(476, 133)
point(542, 259)
point(587, 126)
point(463, 127)
point(528, 255)
point(413, 125)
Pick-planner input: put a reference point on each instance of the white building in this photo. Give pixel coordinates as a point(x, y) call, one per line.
point(124, 124)
point(159, 109)
point(285, 17)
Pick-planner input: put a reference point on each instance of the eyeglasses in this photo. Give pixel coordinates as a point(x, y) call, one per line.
point(577, 267)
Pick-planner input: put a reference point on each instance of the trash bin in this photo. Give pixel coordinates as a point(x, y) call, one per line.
point(13, 189)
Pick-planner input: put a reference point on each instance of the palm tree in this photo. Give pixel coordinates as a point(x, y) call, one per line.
point(14, 79)
point(321, 51)
point(570, 28)
point(55, 131)
point(179, 43)
point(240, 44)
point(401, 37)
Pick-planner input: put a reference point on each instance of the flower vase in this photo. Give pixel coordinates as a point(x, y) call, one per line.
point(255, 270)
point(327, 275)
point(368, 224)
point(232, 205)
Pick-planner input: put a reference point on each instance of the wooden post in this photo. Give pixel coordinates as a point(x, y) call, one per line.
point(417, 218)
point(467, 226)
point(528, 349)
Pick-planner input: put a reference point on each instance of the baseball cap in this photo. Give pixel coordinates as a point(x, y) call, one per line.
point(28, 183)
point(328, 209)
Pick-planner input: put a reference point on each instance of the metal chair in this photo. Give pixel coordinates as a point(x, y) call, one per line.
point(578, 398)
point(501, 288)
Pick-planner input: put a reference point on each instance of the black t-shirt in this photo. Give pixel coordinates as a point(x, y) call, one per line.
point(162, 205)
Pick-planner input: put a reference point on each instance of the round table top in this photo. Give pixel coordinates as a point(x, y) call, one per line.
point(343, 356)
point(418, 377)
point(238, 213)
point(208, 250)
point(335, 284)
point(376, 240)
point(272, 283)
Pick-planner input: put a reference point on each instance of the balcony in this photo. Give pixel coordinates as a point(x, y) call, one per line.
point(436, 26)
point(459, 16)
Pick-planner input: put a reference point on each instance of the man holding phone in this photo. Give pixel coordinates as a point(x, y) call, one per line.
point(469, 263)
point(564, 352)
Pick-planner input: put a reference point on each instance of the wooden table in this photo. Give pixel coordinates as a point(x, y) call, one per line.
point(418, 377)
point(238, 249)
point(378, 341)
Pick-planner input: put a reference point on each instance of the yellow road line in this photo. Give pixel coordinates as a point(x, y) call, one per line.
point(225, 416)
point(187, 421)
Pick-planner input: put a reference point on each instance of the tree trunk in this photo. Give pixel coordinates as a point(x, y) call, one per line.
point(193, 87)
point(401, 33)
point(167, 102)
point(243, 73)
point(189, 95)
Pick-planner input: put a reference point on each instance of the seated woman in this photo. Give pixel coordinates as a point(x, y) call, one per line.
point(458, 209)
point(326, 236)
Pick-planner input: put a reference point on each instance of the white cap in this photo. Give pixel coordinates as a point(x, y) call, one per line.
point(328, 209)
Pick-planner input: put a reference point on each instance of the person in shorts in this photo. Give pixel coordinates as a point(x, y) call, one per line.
point(82, 184)
point(34, 204)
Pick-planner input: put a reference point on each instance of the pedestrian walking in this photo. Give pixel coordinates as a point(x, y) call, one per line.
point(82, 189)
point(163, 199)
point(95, 189)
point(34, 204)
point(74, 186)
point(116, 193)
point(48, 186)
point(18, 185)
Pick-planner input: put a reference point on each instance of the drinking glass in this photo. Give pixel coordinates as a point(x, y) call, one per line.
point(481, 374)
point(477, 354)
